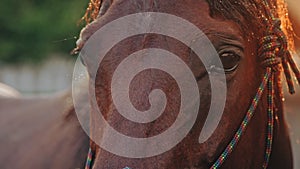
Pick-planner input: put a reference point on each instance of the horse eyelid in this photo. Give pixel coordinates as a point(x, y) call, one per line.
point(233, 48)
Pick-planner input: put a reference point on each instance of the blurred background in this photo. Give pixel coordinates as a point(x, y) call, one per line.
point(37, 36)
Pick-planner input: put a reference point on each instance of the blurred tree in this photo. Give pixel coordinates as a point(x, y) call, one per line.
point(30, 30)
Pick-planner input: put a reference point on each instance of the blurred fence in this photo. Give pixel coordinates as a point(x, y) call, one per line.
point(54, 74)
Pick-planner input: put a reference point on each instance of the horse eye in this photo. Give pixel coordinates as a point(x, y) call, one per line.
point(230, 62)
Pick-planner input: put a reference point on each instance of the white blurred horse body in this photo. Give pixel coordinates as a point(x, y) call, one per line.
point(7, 91)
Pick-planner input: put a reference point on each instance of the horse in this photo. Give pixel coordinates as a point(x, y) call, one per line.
point(254, 50)
point(44, 132)
point(7, 91)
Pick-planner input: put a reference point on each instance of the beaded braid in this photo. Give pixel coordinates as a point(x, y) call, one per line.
point(278, 36)
point(92, 11)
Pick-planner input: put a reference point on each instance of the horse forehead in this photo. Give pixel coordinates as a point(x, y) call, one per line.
point(196, 12)
point(177, 7)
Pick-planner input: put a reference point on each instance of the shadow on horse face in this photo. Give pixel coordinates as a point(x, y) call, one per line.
point(235, 49)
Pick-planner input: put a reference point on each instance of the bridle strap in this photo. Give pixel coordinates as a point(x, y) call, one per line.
point(270, 128)
point(89, 159)
point(237, 136)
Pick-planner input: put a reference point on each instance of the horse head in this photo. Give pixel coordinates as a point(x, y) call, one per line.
point(237, 31)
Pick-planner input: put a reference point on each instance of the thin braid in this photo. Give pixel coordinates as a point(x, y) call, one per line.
point(92, 11)
point(286, 25)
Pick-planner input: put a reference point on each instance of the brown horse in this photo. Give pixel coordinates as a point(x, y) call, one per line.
point(235, 28)
point(44, 133)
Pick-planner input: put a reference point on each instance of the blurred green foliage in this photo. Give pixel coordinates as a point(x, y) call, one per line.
point(31, 30)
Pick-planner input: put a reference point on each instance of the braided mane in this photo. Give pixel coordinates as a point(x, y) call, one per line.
point(253, 12)
point(92, 11)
